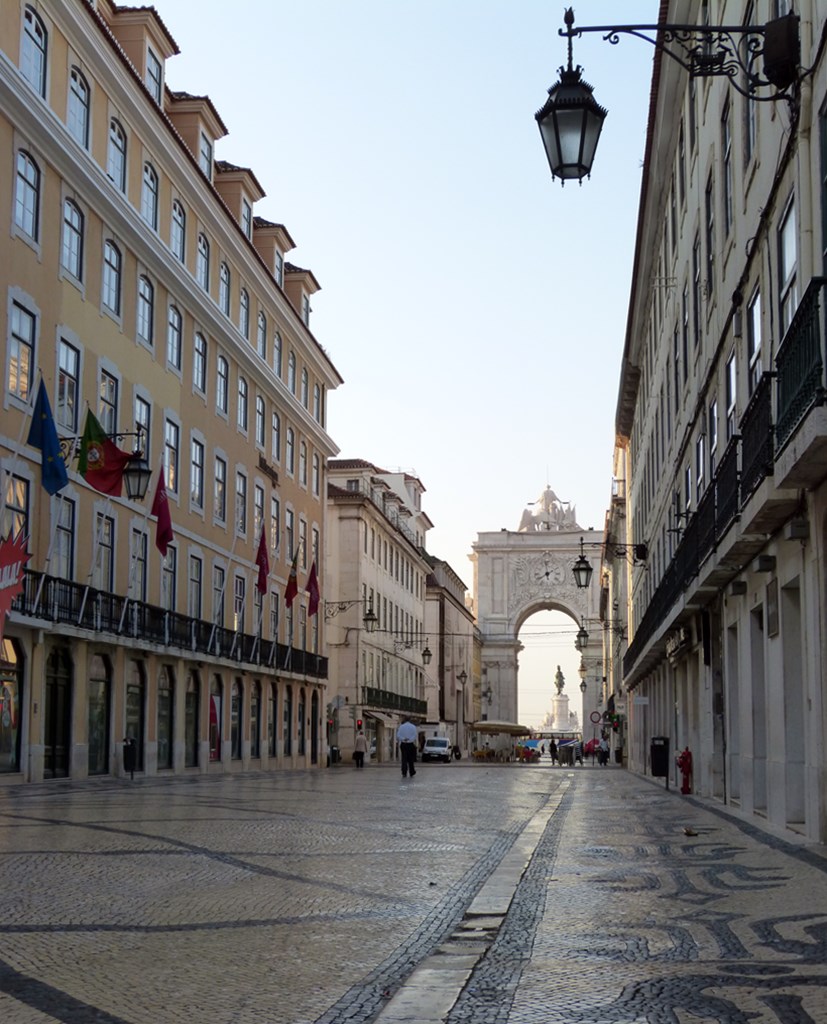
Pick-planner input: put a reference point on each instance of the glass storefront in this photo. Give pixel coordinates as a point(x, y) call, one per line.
point(191, 710)
point(235, 721)
point(135, 704)
point(215, 718)
point(166, 693)
point(98, 687)
point(11, 693)
point(255, 720)
point(57, 714)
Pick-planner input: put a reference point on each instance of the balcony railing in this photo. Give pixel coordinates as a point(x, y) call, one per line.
point(800, 363)
point(115, 617)
point(757, 438)
point(727, 481)
point(386, 699)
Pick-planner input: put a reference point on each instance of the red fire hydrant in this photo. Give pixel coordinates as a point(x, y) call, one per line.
point(685, 766)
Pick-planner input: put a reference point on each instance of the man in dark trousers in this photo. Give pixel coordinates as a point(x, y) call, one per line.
point(406, 737)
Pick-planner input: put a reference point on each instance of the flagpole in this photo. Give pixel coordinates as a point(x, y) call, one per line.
point(133, 560)
point(42, 580)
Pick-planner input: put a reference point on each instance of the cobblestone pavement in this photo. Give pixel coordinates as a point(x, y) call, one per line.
point(320, 897)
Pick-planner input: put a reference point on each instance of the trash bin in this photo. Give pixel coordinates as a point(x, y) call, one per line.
point(335, 755)
point(659, 756)
point(618, 755)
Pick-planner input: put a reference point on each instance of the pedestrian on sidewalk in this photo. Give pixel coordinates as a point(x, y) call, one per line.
point(360, 748)
point(406, 737)
point(603, 755)
point(552, 752)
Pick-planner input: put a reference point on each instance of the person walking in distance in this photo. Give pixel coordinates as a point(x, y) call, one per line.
point(360, 748)
point(406, 737)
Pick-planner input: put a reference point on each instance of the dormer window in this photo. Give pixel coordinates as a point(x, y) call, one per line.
point(205, 156)
point(246, 218)
point(154, 75)
point(279, 270)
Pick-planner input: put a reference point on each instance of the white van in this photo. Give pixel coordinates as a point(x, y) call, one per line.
point(437, 748)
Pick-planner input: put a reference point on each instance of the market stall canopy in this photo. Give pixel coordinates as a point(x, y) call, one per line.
point(512, 728)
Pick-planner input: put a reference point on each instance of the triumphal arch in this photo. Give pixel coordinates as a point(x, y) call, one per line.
point(520, 572)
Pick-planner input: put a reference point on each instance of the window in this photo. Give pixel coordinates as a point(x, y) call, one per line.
point(169, 573)
point(174, 338)
point(246, 218)
point(202, 265)
point(197, 474)
point(305, 392)
point(712, 426)
point(289, 535)
point(149, 196)
point(241, 410)
point(199, 363)
point(63, 564)
point(222, 385)
point(244, 313)
point(240, 502)
point(700, 460)
point(116, 157)
point(260, 421)
point(112, 278)
point(77, 117)
point(275, 525)
point(277, 354)
point(68, 379)
point(143, 421)
point(726, 181)
point(154, 75)
point(276, 437)
point(224, 289)
point(146, 310)
point(709, 201)
point(137, 582)
point(731, 393)
point(754, 340)
point(788, 265)
point(316, 474)
point(261, 336)
point(696, 294)
point(220, 490)
point(218, 595)
point(291, 372)
point(279, 269)
point(205, 155)
point(681, 164)
point(317, 403)
point(239, 598)
point(289, 451)
point(258, 509)
point(27, 196)
point(104, 566)
point(71, 248)
point(33, 56)
point(687, 488)
point(303, 463)
point(16, 513)
point(196, 571)
point(171, 434)
point(108, 402)
point(303, 543)
point(178, 231)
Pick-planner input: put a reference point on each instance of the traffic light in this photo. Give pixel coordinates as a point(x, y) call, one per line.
point(358, 723)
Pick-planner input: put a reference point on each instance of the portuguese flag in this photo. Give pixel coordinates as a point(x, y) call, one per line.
point(100, 462)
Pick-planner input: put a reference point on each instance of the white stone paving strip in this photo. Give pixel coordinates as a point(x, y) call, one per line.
point(430, 992)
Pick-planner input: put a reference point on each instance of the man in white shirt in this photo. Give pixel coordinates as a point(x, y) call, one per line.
point(406, 736)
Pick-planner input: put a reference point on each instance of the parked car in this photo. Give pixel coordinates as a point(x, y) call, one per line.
point(437, 748)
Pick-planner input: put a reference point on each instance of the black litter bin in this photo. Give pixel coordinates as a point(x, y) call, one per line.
point(335, 755)
point(659, 756)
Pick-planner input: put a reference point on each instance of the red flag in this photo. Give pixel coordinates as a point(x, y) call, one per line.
point(160, 509)
point(292, 588)
point(313, 591)
point(100, 461)
point(263, 563)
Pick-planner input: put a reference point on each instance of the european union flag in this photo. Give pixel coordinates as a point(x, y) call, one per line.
point(43, 435)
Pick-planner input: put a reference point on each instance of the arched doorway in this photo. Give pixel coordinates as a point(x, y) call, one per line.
point(99, 701)
point(58, 714)
point(192, 708)
point(314, 728)
point(216, 713)
point(135, 714)
point(166, 716)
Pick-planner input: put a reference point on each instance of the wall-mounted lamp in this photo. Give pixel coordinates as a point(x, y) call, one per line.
point(582, 569)
point(369, 619)
point(582, 638)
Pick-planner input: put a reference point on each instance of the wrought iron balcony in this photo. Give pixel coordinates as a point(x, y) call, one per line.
point(386, 699)
point(757, 438)
point(115, 618)
point(800, 363)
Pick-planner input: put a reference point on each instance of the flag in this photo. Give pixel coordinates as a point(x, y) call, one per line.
point(313, 591)
point(100, 462)
point(43, 435)
point(160, 509)
point(263, 563)
point(292, 587)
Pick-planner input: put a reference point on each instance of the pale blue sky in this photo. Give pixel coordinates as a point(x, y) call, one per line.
point(475, 309)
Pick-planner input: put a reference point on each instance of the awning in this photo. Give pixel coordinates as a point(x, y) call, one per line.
point(384, 719)
point(511, 728)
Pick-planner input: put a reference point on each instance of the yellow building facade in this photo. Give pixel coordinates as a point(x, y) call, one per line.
point(138, 283)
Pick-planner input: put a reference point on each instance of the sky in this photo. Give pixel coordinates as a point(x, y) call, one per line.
point(475, 308)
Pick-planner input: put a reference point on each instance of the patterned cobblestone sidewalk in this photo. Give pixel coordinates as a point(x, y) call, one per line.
point(313, 898)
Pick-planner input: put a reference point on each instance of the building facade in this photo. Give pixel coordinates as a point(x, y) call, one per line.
point(376, 562)
point(722, 430)
point(138, 283)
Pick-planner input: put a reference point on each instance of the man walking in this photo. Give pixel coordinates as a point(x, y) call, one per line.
point(406, 737)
